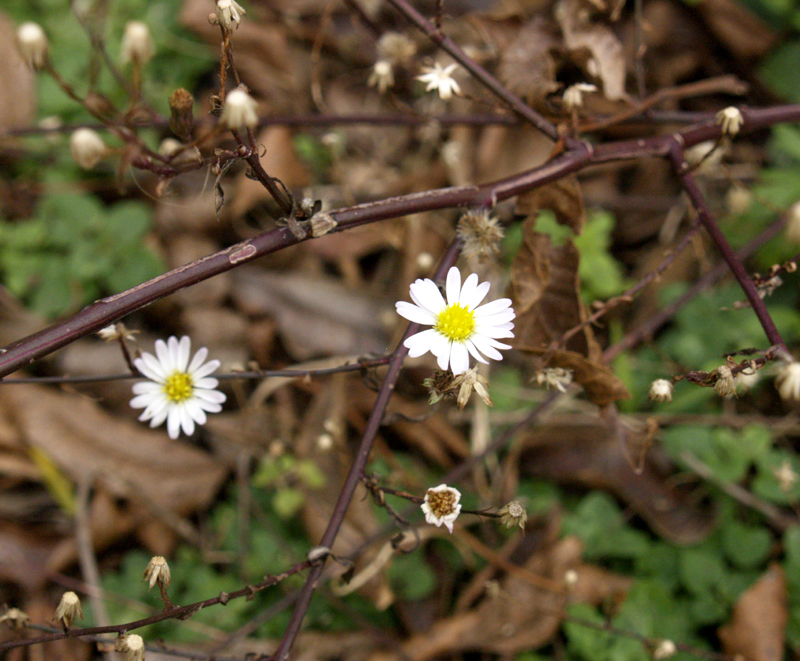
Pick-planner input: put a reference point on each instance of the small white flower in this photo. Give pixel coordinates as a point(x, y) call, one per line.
point(87, 147)
point(68, 609)
point(239, 110)
point(178, 391)
point(460, 327)
point(788, 381)
point(32, 45)
point(157, 571)
point(441, 79)
point(382, 76)
point(730, 119)
point(441, 506)
point(137, 45)
point(573, 95)
point(229, 13)
point(661, 390)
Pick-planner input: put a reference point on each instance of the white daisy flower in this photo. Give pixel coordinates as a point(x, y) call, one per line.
point(460, 327)
point(441, 506)
point(441, 79)
point(178, 391)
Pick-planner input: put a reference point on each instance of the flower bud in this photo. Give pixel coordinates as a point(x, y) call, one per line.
point(239, 110)
point(132, 645)
point(32, 44)
point(229, 14)
point(181, 121)
point(87, 148)
point(661, 391)
point(137, 45)
point(157, 571)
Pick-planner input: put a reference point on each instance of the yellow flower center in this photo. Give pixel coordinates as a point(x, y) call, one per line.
point(178, 387)
point(455, 322)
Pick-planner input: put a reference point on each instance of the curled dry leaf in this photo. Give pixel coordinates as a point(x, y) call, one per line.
point(527, 66)
point(757, 628)
point(607, 60)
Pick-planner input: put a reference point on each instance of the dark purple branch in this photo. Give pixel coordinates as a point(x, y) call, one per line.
point(734, 264)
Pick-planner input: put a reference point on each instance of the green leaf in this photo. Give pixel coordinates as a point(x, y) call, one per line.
point(287, 502)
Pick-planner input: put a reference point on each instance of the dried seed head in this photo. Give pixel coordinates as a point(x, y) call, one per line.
point(181, 120)
point(137, 45)
point(229, 14)
point(32, 45)
point(68, 609)
point(481, 234)
point(788, 381)
point(321, 224)
point(730, 120)
point(554, 377)
point(157, 571)
point(87, 148)
point(239, 110)
point(116, 331)
point(725, 385)
point(466, 382)
point(661, 390)
point(573, 95)
point(513, 514)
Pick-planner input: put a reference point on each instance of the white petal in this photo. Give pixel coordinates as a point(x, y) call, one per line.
point(182, 356)
point(493, 307)
point(174, 423)
point(476, 296)
point(482, 344)
point(415, 313)
point(453, 286)
point(163, 354)
point(197, 361)
point(148, 365)
point(420, 343)
point(205, 370)
point(475, 353)
point(440, 344)
point(495, 319)
point(187, 423)
point(212, 396)
point(208, 383)
point(147, 388)
point(159, 417)
point(141, 401)
point(196, 412)
point(494, 331)
point(443, 360)
point(468, 289)
point(426, 295)
point(459, 358)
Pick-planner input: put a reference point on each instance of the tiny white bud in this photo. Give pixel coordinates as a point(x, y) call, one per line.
point(239, 110)
point(570, 578)
point(157, 571)
point(137, 45)
point(664, 650)
point(788, 381)
point(68, 609)
point(382, 76)
point(87, 147)
point(661, 390)
point(730, 120)
point(573, 95)
point(175, 151)
point(32, 45)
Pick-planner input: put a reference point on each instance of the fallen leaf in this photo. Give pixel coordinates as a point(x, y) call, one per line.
point(527, 65)
point(757, 628)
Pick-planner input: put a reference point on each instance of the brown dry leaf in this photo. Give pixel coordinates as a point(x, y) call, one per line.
point(520, 617)
point(607, 59)
point(757, 628)
point(23, 557)
point(563, 197)
point(125, 458)
point(597, 457)
point(743, 33)
point(527, 66)
point(317, 316)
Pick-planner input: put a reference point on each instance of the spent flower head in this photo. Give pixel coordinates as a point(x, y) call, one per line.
point(15, 618)
point(69, 608)
point(513, 514)
point(137, 44)
point(664, 650)
point(33, 45)
point(481, 233)
point(229, 14)
point(660, 391)
point(725, 384)
point(554, 377)
point(177, 391)
point(157, 571)
point(132, 645)
point(441, 79)
point(573, 95)
point(460, 326)
point(116, 332)
point(468, 381)
point(87, 147)
point(441, 506)
point(239, 110)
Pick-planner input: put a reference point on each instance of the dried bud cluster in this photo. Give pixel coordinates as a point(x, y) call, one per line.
point(730, 120)
point(117, 331)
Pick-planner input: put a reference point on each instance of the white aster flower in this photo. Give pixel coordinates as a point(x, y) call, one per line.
point(460, 327)
point(178, 391)
point(441, 506)
point(441, 79)
point(229, 13)
point(788, 381)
